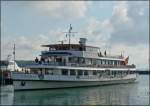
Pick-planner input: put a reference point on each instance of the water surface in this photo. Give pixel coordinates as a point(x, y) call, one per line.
point(122, 94)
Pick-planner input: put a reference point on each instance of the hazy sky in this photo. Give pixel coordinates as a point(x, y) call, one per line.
point(117, 26)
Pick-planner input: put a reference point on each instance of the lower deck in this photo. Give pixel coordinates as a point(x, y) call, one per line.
point(59, 83)
point(61, 78)
point(37, 77)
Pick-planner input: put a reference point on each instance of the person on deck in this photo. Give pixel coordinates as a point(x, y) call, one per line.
point(36, 60)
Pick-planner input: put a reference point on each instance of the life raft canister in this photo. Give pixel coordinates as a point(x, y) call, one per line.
point(7, 75)
point(7, 78)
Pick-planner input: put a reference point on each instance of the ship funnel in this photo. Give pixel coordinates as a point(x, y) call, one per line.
point(82, 41)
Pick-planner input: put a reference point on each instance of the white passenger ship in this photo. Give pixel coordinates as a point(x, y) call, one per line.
point(73, 65)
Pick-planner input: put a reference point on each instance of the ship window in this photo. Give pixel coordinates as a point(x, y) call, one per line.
point(109, 62)
point(73, 59)
point(94, 72)
point(108, 72)
point(80, 72)
point(70, 59)
point(72, 72)
point(112, 62)
point(85, 72)
point(64, 72)
point(106, 61)
point(98, 61)
point(94, 61)
point(112, 73)
point(88, 61)
point(103, 61)
point(115, 62)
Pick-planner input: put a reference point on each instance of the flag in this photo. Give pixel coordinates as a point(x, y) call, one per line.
point(70, 27)
point(126, 60)
point(105, 53)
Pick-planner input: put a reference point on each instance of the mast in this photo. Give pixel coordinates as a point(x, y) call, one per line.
point(69, 34)
point(14, 56)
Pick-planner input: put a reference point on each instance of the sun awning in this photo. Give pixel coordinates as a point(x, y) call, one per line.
point(56, 54)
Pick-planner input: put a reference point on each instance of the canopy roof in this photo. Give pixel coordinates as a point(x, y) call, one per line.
point(67, 46)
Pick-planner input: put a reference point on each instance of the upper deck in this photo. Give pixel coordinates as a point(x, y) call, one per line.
point(75, 47)
point(78, 51)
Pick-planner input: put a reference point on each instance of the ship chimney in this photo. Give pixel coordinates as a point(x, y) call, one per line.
point(82, 41)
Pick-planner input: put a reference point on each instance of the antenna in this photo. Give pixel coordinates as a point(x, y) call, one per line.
point(69, 34)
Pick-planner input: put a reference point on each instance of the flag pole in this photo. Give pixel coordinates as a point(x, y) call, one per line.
point(14, 56)
point(69, 32)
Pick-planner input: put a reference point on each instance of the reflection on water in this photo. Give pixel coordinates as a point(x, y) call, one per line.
point(6, 95)
point(123, 94)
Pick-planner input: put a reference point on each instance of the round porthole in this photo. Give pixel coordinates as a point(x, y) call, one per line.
point(23, 83)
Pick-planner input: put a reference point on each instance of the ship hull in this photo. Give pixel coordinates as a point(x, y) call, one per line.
point(38, 84)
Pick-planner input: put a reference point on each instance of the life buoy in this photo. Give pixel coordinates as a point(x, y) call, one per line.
point(23, 83)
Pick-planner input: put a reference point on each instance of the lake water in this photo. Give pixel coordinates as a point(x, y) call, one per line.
point(123, 94)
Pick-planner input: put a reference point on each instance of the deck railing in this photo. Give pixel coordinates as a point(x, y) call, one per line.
point(111, 66)
point(83, 65)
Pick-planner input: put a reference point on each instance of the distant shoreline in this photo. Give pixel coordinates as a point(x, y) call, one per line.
point(143, 72)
